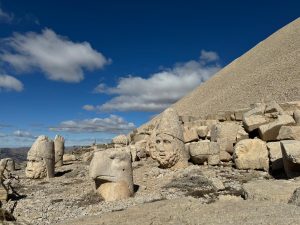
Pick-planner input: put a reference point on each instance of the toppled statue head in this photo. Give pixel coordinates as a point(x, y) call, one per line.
point(41, 159)
point(169, 149)
point(59, 148)
point(112, 172)
point(120, 141)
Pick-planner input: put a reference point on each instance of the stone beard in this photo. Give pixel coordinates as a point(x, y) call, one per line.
point(167, 150)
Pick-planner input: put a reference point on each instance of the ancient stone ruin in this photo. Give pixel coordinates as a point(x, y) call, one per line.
point(59, 148)
point(41, 159)
point(111, 171)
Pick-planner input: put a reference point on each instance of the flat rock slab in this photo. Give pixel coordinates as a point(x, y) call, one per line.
point(190, 211)
point(270, 190)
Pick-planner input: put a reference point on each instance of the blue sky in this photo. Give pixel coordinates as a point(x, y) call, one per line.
point(92, 69)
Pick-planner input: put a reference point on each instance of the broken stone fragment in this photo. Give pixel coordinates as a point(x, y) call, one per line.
point(297, 117)
point(205, 151)
point(252, 122)
point(270, 131)
point(120, 141)
point(275, 155)
point(251, 154)
point(190, 134)
point(225, 156)
point(291, 157)
point(202, 131)
point(289, 133)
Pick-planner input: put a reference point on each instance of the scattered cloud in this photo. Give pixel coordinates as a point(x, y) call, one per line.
point(56, 56)
point(24, 134)
point(88, 107)
point(159, 90)
point(208, 56)
point(9, 83)
point(111, 124)
point(5, 17)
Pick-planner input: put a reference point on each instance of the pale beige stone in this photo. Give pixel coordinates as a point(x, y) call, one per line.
point(69, 157)
point(254, 121)
point(289, 133)
point(296, 115)
point(59, 148)
point(87, 157)
point(251, 154)
point(241, 134)
point(291, 157)
point(270, 131)
point(120, 140)
point(202, 131)
point(112, 172)
point(238, 115)
point(275, 155)
point(225, 135)
point(169, 149)
point(204, 151)
point(225, 156)
point(41, 159)
point(273, 107)
point(270, 190)
point(9, 164)
point(190, 134)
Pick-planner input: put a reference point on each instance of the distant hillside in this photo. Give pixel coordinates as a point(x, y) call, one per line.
point(18, 154)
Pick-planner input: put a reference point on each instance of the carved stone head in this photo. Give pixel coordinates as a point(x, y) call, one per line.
point(169, 149)
point(120, 141)
point(41, 159)
point(112, 172)
point(59, 147)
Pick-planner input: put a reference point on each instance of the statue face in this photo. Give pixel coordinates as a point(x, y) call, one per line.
point(166, 150)
point(36, 168)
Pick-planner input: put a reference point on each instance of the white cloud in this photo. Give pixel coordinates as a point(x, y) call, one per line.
point(88, 107)
point(58, 57)
point(9, 83)
point(111, 124)
point(6, 17)
point(24, 134)
point(159, 90)
point(209, 56)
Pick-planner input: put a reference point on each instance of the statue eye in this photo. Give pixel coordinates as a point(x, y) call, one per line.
point(167, 142)
point(157, 141)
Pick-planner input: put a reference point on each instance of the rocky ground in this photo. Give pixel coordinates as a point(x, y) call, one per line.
point(70, 194)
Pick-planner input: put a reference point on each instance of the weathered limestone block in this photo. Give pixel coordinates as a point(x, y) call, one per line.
point(273, 107)
point(225, 134)
point(87, 157)
point(41, 159)
point(186, 119)
point(291, 157)
point(254, 121)
point(297, 117)
point(241, 134)
point(289, 133)
point(169, 150)
point(120, 141)
point(251, 154)
point(205, 151)
point(270, 131)
point(190, 134)
point(270, 190)
point(69, 157)
point(239, 114)
point(141, 149)
point(202, 131)
point(59, 148)
point(225, 156)
point(112, 172)
point(275, 155)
